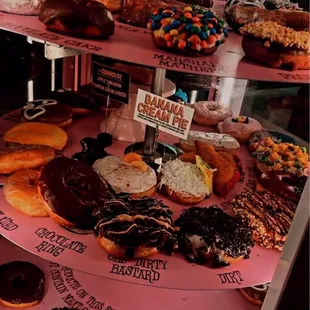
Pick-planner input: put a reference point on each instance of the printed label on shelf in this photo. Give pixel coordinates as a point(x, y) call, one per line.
point(107, 81)
point(171, 117)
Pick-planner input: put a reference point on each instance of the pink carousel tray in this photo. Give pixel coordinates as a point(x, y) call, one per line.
point(80, 251)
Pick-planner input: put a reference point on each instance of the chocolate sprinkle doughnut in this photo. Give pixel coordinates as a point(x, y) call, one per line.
point(135, 222)
point(21, 283)
point(211, 233)
point(72, 190)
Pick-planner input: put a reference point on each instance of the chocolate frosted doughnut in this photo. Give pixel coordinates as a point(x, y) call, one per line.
point(85, 18)
point(72, 189)
point(21, 284)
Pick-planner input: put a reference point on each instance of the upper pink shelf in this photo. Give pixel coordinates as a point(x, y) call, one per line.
point(134, 45)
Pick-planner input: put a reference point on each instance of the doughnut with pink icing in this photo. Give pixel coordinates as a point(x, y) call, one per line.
point(240, 127)
point(210, 113)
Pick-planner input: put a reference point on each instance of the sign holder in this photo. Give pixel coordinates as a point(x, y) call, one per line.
point(150, 132)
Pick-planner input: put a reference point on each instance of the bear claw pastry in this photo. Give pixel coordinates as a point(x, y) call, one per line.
point(192, 30)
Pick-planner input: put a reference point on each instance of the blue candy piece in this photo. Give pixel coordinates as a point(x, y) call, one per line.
point(188, 44)
point(188, 26)
point(176, 23)
point(203, 35)
point(213, 31)
point(153, 26)
point(225, 32)
point(167, 28)
point(173, 9)
point(156, 18)
point(209, 14)
point(165, 15)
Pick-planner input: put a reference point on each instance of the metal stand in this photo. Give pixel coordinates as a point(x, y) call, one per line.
point(150, 132)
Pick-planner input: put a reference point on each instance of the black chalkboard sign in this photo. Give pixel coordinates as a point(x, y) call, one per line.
point(107, 81)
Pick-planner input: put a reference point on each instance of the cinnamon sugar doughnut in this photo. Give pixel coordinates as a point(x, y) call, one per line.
point(210, 113)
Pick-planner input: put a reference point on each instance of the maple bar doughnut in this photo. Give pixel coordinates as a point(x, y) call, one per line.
point(71, 189)
point(22, 285)
point(210, 113)
point(21, 191)
point(277, 46)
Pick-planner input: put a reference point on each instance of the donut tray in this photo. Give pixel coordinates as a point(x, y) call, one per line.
point(79, 249)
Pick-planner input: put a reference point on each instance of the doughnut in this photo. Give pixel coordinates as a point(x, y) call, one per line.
point(114, 6)
point(210, 113)
point(135, 178)
point(47, 111)
point(268, 215)
point(255, 294)
point(18, 157)
point(191, 30)
point(138, 12)
point(220, 142)
point(80, 103)
point(240, 127)
point(21, 284)
point(210, 236)
point(22, 7)
point(134, 228)
point(286, 184)
point(37, 134)
point(72, 190)
point(81, 18)
point(203, 3)
point(183, 182)
point(21, 191)
point(277, 46)
point(239, 16)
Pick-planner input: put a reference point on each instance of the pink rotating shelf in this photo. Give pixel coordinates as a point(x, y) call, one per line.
point(67, 288)
point(80, 251)
point(228, 61)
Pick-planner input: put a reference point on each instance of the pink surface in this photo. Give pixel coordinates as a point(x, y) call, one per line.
point(226, 62)
point(45, 238)
point(66, 287)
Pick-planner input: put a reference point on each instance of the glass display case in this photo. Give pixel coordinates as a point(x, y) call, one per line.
point(179, 123)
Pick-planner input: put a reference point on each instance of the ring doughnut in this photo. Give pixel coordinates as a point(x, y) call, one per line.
point(210, 113)
point(21, 191)
point(21, 284)
point(71, 189)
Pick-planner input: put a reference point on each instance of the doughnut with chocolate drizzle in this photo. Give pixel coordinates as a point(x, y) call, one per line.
point(72, 190)
point(210, 236)
point(132, 228)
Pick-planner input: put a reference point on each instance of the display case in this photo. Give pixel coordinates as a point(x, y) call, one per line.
point(114, 77)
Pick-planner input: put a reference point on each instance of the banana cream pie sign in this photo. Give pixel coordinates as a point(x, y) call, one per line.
point(168, 116)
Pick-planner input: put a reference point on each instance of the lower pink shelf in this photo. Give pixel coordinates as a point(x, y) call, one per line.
point(69, 288)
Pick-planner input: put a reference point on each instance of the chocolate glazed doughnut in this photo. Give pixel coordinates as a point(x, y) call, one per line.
point(21, 284)
point(85, 18)
point(71, 189)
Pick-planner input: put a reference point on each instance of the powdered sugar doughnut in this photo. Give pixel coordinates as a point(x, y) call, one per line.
point(23, 7)
point(210, 113)
point(240, 127)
